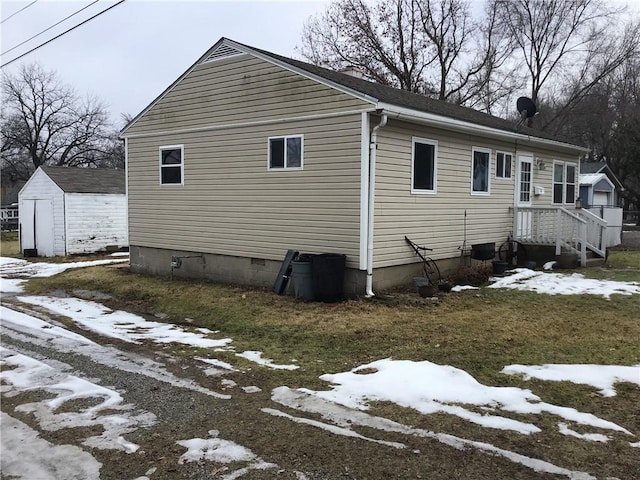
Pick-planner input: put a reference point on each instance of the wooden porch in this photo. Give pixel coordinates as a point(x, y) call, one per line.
point(577, 230)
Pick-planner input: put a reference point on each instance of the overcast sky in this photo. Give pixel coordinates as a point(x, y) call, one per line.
point(130, 54)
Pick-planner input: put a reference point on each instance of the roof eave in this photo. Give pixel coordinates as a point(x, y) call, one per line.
point(462, 126)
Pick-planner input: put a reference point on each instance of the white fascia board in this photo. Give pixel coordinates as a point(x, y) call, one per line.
point(448, 123)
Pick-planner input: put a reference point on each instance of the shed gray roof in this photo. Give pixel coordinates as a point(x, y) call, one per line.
point(87, 180)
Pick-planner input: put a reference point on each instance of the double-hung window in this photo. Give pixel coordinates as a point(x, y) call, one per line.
point(172, 165)
point(503, 165)
point(286, 153)
point(423, 165)
point(564, 182)
point(480, 168)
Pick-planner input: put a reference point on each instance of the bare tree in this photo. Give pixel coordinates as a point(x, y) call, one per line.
point(624, 156)
point(567, 47)
point(45, 123)
point(431, 47)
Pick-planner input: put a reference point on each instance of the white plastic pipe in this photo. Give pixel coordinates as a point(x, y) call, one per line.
point(373, 144)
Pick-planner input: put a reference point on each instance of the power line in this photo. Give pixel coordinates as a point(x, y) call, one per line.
point(15, 13)
point(63, 33)
point(49, 28)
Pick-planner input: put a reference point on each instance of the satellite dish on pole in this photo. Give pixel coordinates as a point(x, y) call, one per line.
point(526, 107)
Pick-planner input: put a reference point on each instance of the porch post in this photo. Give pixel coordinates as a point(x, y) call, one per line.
point(558, 230)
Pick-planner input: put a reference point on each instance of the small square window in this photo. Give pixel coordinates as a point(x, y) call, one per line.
point(171, 165)
point(423, 166)
point(503, 165)
point(480, 171)
point(286, 152)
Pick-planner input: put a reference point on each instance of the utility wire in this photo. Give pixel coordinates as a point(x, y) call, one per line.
point(63, 33)
point(49, 28)
point(15, 13)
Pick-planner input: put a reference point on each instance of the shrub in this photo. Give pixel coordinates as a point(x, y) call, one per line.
point(475, 275)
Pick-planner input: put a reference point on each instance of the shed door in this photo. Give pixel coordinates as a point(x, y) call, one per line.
point(36, 228)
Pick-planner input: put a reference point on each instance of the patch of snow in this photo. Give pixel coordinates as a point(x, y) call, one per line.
point(549, 265)
point(11, 285)
point(119, 324)
point(26, 269)
point(28, 329)
point(258, 465)
point(147, 475)
point(430, 388)
point(562, 284)
point(564, 429)
point(119, 254)
point(460, 288)
point(35, 324)
point(345, 417)
point(27, 456)
point(251, 389)
point(602, 377)
point(635, 445)
point(346, 432)
point(226, 383)
point(256, 357)
point(11, 262)
point(30, 374)
point(218, 450)
point(217, 363)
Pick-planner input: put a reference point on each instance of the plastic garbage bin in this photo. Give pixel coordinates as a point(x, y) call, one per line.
point(328, 276)
point(302, 277)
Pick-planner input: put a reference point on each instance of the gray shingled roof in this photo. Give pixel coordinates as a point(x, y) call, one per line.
point(592, 167)
point(406, 99)
point(87, 180)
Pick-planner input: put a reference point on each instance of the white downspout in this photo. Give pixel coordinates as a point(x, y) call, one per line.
point(372, 182)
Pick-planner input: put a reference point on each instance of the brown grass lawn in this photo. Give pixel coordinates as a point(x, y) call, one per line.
point(478, 331)
point(9, 246)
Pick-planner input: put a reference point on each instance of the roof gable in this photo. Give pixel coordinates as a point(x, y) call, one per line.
point(87, 180)
point(376, 94)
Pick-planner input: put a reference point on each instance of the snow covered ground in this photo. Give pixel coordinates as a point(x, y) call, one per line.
point(563, 284)
point(342, 408)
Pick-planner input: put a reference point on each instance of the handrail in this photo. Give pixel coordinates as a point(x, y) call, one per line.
point(593, 217)
point(574, 231)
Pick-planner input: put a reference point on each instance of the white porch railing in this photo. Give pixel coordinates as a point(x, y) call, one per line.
point(576, 230)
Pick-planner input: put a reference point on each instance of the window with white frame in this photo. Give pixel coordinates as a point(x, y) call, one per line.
point(480, 168)
point(423, 165)
point(286, 153)
point(172, 165)
point(503, 165)
point(564, 182)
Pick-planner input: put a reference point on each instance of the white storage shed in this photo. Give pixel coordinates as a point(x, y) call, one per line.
point(67, 210)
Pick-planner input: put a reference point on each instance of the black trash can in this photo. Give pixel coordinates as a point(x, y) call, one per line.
point(302, 277)
point(328, 276)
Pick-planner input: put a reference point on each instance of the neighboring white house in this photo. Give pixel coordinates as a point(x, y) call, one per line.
point(66, 210)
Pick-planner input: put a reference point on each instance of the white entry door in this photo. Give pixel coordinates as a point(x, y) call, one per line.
point(36, 226)
point(524, 187)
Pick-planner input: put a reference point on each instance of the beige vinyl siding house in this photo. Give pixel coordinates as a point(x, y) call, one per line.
point(249, 154)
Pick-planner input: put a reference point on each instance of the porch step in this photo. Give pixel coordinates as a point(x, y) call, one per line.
point(595, 261)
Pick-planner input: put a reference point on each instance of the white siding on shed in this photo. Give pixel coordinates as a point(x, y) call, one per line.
point(41, 188)
point(95, 221)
